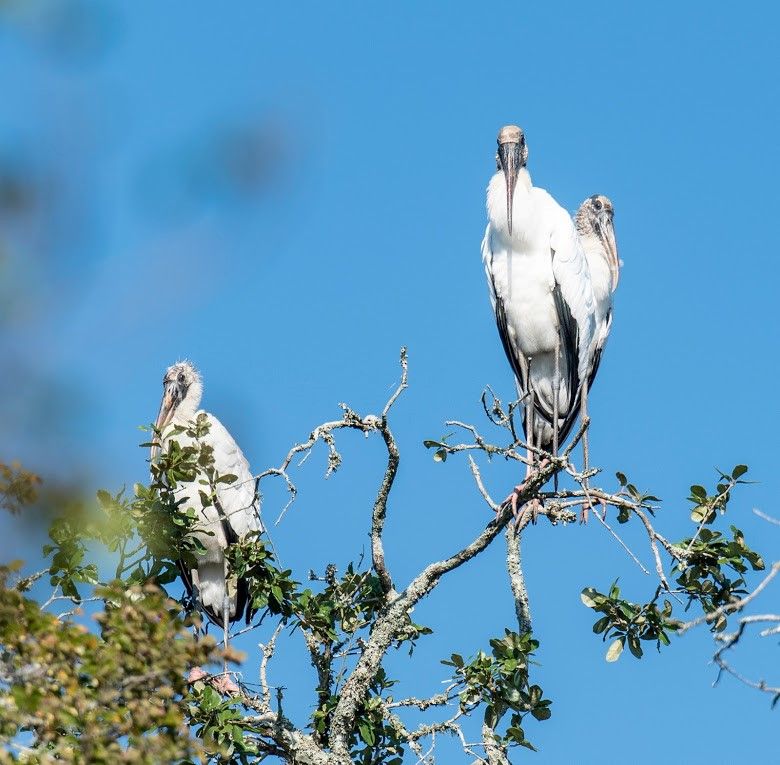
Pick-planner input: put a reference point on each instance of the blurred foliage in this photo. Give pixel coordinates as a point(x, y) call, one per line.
point(18, 487)
point(114, 696)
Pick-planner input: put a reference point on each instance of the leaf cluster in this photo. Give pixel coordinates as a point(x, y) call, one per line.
point(627, 623)
point(18, 487)
point(702, 564)
point(500, 681)
point(704, 574)
point(107, 697)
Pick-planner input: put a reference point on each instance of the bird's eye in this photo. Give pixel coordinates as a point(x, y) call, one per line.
point(181, 377)
point(597, 204)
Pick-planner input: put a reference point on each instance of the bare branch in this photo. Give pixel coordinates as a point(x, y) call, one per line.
point(402, 386)
point(731, 639)
point(495, 753)
point(768, 518)
point(609, 528)
point(492, 504)
point(516, 578)
point(267, 652)
point(440, 699)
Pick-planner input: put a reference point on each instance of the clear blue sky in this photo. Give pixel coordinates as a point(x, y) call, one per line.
point(295, 293)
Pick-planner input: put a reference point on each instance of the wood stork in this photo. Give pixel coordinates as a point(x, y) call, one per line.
point(541, 293)
point(594, 222)
point(234, 515)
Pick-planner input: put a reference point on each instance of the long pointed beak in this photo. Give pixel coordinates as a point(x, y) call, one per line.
point(608, 237)
point(509, 159)
point(170, 401)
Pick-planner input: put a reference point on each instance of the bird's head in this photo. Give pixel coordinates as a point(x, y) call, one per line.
point(595, 218)
point(512, 155)
point(182, 391)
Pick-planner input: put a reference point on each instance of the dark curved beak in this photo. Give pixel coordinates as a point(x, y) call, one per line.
point(606, 231)
point(509, 159)
point(170, 401)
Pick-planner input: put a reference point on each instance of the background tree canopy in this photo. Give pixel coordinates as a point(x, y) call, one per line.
point(175, 182)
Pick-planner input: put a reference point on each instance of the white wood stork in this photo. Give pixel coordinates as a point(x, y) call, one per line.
point(541, 293)
point(594, 222)
point(224, 599)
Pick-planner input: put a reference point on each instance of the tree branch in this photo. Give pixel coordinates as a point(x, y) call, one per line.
point(517, 579)
point(391, 622)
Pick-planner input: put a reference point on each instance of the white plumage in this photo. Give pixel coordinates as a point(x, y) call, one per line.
point(236, 512)
point(594, 222)
point(541, 293)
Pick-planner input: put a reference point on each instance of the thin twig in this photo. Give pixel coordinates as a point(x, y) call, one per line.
point(620, 541)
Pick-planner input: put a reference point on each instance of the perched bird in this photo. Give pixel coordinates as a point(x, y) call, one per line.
point(541, 293)
point(230, 519)
point(594, 222)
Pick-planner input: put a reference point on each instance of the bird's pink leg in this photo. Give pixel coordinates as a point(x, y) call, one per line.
point(531, 505)
point(587, 504)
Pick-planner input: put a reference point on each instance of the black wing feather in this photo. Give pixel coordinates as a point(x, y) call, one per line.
point(599, 350)
point(503, 333)
point(569, 336)
point(242, 589)
point(569, 348)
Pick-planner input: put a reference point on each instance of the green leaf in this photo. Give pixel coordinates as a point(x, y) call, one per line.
point(739, 471)
point(366, 733)
point(634, 647)
point(615, 649)
point(541, 713)
point(586, 596)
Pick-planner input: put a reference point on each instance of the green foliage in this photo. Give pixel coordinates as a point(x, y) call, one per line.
point(343, 607)
point(702, 567)
point(707, 506)
point(67, 554)
point(441, 446)
point(501, 682)
point(219, 723)
point(704, 575)
point(374, 739)
point(269, 586)
point(630, 492)
point(119, 694)
point(108, 697)
point(627, 623)
point(334, 619)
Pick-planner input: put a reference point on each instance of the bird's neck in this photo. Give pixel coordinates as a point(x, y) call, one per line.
point(523, 183)
point(186, 410)
point(521, 202)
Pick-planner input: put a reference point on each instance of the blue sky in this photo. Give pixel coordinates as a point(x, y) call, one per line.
point(294, 290)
